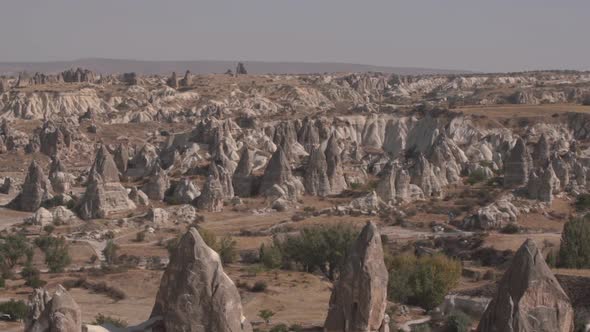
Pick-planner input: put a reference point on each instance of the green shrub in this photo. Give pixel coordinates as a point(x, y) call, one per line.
point(57, 255)
point(49, 228)
point(477, 176)
point(511, 228)
point(16, 309)
point(574, 251)
point(270, 256)
point(320, 248)
point(101, 319)
point(2, 282)
point(266, 315)
point(458, 321)
point(552, 258)
point(279, 328)
point(259, 286)
point(110, 252)
point(582, 202)
point(296, 328)
point(12, 249)
point(226, 248)
point(140, 236)
point(32, 277)
point(423, 281)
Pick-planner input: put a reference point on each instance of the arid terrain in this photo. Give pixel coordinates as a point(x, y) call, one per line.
point(102, 175)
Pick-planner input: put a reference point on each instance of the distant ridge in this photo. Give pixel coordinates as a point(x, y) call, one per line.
point(111, 66)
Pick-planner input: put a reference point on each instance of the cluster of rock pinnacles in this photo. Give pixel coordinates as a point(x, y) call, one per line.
point(195, 295)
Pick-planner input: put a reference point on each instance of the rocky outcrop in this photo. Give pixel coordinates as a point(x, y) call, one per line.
point(172, 81)
point(157, 185)
point(59, 313)
point(35, 190)
point(542, 184)
point(183, 192)
point(102, 199)
point(195, 294)
point(517, 165)
point(58, 176)
point(335, 170)
point(211, 198)
point(143, 163)
point(138, 197)
point(243, 180)
point(493, 216)
point(541, 153)
point(104, 165)
point(316, 181)
point(54, 138)
point(121, 157)
point(187, 81)
point(359, 298)
point(529, 298)
point(394, 186)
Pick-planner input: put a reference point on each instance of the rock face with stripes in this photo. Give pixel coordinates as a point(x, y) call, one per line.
point(195, 294)
point(359, 298)
point(529, 298)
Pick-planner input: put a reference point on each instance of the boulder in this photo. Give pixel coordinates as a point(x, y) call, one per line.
point(195, 295)
point(183, 192)
point(359, 298)
point(529, 298)
point(59, 313)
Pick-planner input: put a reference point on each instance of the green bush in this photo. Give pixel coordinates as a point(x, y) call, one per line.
point(458, 321)
point(320, 248)
point(16, 309)
point(574, 251)
point(101, 319)
point(423, 281)
point(266, 315)
point(110, 252)
point(582, 202)
point(32, 277)
point(140, 236)
point(270, 256)
point(12, 249)
point(56, 251)
point(477, 176)
point(279, 328)
point(552, 258)
point(511, 228)
point(226, 248)
point(259, 286)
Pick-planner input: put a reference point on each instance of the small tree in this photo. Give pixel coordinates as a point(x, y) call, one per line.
point(12, 250)
point(110, 252)
point(57, 255)
point(32, 277)
point(17, 310)
point(574, 250)
point(266, 315)
point(270, 256)
point(226, 249)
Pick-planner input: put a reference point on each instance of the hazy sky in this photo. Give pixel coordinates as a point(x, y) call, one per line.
point(485, 35)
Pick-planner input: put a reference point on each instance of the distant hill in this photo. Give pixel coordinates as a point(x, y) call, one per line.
point(110, 66)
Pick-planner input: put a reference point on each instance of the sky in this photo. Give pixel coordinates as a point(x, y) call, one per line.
point(481, 35)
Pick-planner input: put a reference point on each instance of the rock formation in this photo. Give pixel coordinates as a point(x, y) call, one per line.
point(278, 181)
point(241, 69)
point(316, 179)
point(104, 165)
point(541, 153)
point(195, 295)
point(121, 157)
point(183, 192)
point(59, 313)
point(211, 198)
point(58, 176)
point(529, 298)
point(242, 179)
point(359, 298)
point(517, 165)
point(335, 170)
point(542, 184)
point(172, 81)
point(53, 138)
point(35, 190)
point(157, 185)
point(187, 81)
point(102, 199)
